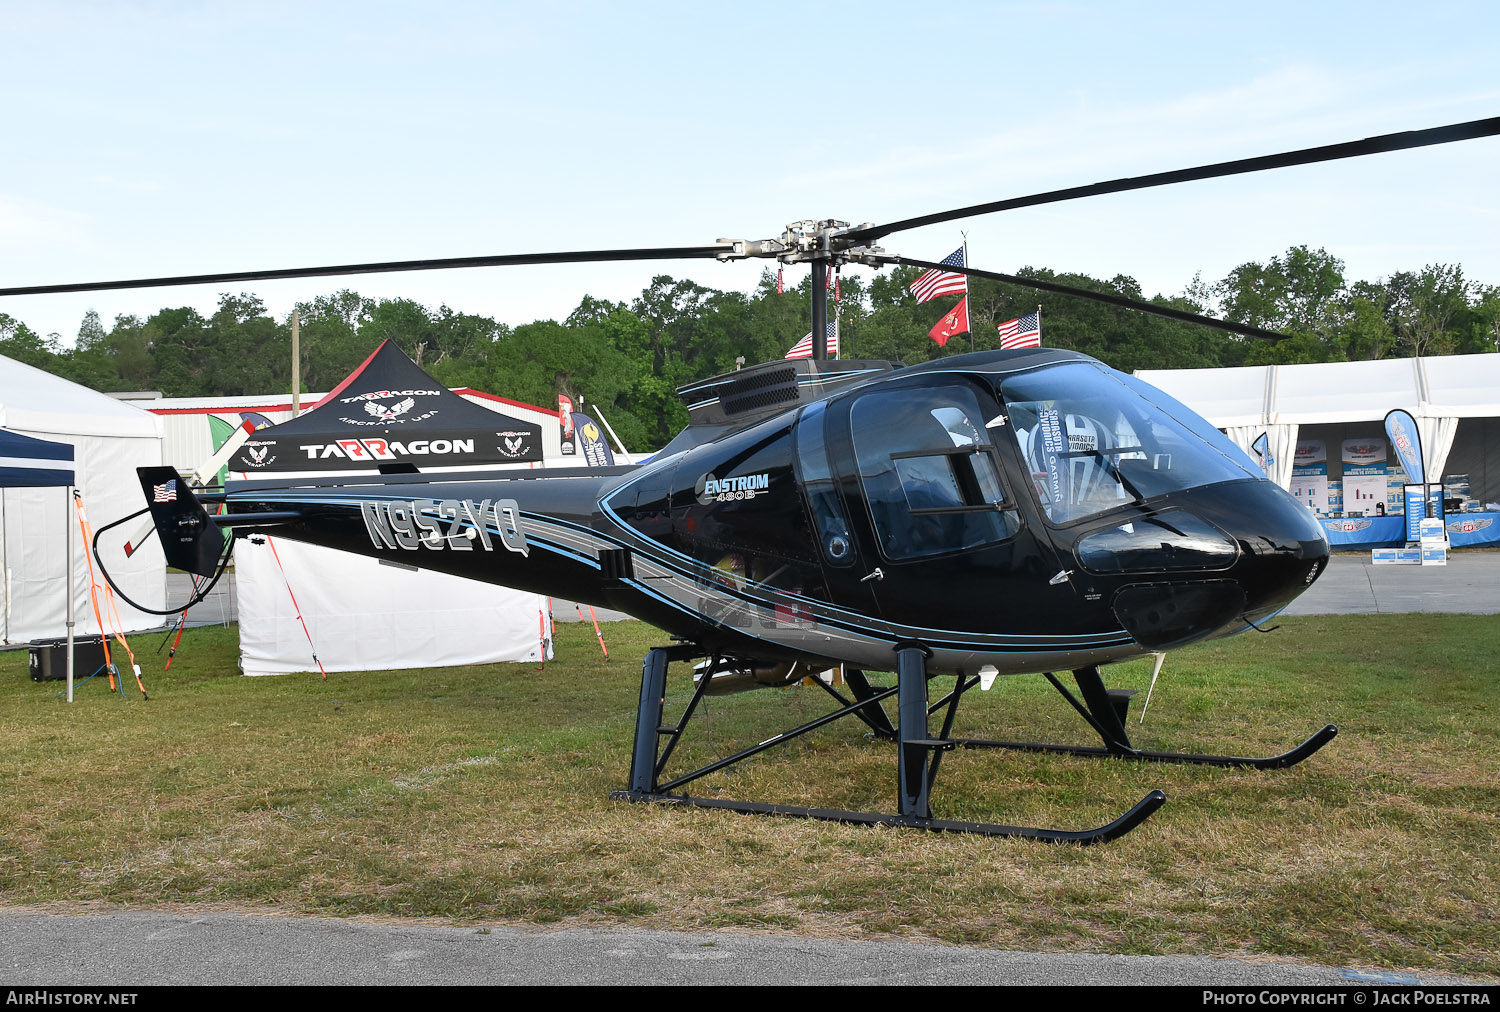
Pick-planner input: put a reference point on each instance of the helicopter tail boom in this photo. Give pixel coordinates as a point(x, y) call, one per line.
point(530, 532)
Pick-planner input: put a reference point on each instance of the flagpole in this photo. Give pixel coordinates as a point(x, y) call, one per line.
point(838, 318)
point(966, 290)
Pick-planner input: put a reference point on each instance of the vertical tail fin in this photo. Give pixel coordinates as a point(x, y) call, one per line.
point(191, 541)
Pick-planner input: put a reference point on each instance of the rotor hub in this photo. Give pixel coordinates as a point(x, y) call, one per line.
point(805, 241)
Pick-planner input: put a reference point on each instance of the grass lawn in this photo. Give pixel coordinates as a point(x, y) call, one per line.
point(479, 794)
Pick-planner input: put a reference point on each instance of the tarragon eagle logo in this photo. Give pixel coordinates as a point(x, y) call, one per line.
point(388, 414)
point(257, 454)
point(512, 446)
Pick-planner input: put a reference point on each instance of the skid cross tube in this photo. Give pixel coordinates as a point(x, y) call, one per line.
point(960, 686)
point(874, 714)
point(918, 756)
point(1106, 722)
point(675, 733)
point(769, 743)
point(1111, 737)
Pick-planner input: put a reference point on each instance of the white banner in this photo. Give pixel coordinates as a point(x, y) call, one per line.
point(364, 616)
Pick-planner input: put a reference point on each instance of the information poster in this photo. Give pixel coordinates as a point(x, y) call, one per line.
point(1415, 510)
point(1310, 475)
point(1365, 476)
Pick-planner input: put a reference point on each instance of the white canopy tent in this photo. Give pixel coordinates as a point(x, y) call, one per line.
point(1281, 400)
point(365, 616)
point(110, 440)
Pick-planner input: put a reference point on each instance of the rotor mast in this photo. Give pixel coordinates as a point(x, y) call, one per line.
point(821, 243)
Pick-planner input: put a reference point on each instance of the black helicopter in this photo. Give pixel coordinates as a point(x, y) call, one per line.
point(980, 515)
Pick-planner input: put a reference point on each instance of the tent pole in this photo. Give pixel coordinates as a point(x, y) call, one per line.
point(67, 503)
point(296, 366)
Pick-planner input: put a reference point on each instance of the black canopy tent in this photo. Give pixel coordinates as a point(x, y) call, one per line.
point(388, 411)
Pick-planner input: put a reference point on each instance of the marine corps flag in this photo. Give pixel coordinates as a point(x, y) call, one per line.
point(956, 321)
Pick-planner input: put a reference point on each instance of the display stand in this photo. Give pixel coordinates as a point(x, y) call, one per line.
point(1426, 537)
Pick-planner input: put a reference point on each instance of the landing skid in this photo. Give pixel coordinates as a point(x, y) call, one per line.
point(1104, 709)
point(918, 755)
point(1133, 817)
point(1275, 762)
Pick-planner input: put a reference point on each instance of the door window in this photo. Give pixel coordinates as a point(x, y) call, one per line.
point(929, 471)
point(818, 486)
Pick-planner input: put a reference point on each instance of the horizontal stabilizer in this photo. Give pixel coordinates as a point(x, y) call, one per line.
point(191, 541)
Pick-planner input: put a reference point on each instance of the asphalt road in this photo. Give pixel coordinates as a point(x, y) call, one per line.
point(142, 949)
point(1470, 582)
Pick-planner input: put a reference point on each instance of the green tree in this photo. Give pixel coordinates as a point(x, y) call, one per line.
point(330, 346)
point(245, 352)
point(1426, 305)
point(1299, 293)
point(91, 332)
point(1485, 328)
point(21, 343)
point(1366, 331)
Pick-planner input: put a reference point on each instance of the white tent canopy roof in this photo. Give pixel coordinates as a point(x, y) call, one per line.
point(1343, 391)
point(1462, 386)
point(1235, 396)
point(35, 401)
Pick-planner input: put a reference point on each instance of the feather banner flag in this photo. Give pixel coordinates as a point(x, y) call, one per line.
point(1401, 427)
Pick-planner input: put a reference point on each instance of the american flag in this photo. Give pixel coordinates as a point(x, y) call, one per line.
point(1022, 332)
point(804, 348)
point(165, 492)
point(780, 287)
point(934, 283)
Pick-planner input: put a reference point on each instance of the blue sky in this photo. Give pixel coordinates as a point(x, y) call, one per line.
point(167, 138)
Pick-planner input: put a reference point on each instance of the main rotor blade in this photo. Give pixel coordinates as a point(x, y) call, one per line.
point(1327, 153)
point(1104, 297)
point(507, 260)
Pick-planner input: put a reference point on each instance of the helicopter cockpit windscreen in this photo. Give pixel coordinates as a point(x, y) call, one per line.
point(1096, 439)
